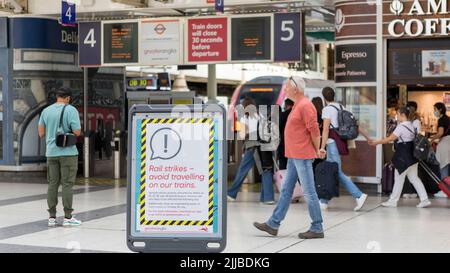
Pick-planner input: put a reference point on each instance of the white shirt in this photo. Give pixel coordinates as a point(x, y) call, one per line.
point(403, 134)
point(331, 113)
point(417, 124)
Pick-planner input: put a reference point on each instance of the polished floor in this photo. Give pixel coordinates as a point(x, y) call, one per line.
point(23, 224)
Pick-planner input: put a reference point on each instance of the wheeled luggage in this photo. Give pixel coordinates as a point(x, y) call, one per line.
point(278, 177)
point(387, 181)
point(443, 184)
point(326, 178)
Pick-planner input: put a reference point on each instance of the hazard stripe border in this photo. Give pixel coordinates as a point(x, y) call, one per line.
point(145, 222)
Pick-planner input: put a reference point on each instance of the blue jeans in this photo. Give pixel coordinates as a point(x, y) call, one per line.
point(445, 171)
point(334, 156)
point(248, 161)
point(298, 168)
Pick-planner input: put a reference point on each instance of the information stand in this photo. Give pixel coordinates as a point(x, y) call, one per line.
point(177, 178)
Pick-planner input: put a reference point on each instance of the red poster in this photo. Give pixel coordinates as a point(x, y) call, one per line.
point(207, 40)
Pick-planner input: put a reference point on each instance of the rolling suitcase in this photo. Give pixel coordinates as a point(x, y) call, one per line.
point(430, 186)
point(443, 184)
point(279, 179)
point(326, 179)
point(388, 179)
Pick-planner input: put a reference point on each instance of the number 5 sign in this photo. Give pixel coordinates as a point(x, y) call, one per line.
point(90, 44)
point(288, 37)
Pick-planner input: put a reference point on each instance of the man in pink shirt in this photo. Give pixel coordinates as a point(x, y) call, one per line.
point(302, 145)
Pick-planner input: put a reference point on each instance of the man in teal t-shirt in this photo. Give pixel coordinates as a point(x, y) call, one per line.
point(62, 163)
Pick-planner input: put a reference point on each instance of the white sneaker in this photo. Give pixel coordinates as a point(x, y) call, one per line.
point(390, 204)
point(360, 202)
point(52, 222)
point(268, 203)
point(440, 194)
point(73, 222)
point(424, 204)
point(323, 206)
point(231, 199)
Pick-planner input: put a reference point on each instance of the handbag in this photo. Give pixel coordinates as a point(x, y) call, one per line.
point(63, 139)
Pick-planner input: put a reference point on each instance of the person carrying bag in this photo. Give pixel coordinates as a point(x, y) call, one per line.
point(60, 124)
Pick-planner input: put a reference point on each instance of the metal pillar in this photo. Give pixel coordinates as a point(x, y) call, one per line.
point(85, 122)
point(212, 84)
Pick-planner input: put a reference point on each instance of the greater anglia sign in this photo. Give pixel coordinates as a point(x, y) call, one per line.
point(207, 40)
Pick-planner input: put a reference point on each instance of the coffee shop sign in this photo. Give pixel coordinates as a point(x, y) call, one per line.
point(416, 27)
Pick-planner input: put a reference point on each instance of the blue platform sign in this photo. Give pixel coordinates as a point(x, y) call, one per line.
point(288, 37)
point(42, 33)
point(90, 45)
point(68, 13)
point(219, 5)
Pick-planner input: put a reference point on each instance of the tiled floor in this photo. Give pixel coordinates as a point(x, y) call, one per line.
point(374, 229)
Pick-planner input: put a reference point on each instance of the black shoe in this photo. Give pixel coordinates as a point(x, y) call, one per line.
point(311, 235)
point(265, 227)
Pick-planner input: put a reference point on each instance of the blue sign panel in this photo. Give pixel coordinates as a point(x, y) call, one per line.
point(219, 5)
point(288, 37)
point(68, 14)
point(3, 32)
point(43, 34)
point(90, 47)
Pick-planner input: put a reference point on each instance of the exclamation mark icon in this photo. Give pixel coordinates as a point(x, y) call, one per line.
point(165, 143)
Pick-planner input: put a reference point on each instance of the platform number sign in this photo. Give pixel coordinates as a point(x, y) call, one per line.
point(90, 48)
point(68, 13)
point(288, 37)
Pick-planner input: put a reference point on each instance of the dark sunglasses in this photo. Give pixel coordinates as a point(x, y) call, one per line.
point(292, 79)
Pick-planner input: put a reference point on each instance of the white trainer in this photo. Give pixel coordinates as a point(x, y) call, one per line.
point(424, 204)
point(231, 199)
point(440, 194)
point(72, 222)
point(390, 204)
point(360, 202)
point(52, 222)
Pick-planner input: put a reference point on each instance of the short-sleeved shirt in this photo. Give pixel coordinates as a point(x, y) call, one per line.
point(300, 128)
point(444, 122)
point(50, 119)
point(418, 125)
point(402, 132)
point(329, 112)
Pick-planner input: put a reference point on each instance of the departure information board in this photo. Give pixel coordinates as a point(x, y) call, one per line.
point(121, 43)
point(251, 38)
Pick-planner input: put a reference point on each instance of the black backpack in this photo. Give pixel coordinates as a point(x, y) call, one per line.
point(422, 146)
point(348, 124)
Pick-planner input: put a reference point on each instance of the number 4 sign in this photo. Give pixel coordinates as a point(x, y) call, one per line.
point(90, 45)
point(288, 37)
point(68, 13)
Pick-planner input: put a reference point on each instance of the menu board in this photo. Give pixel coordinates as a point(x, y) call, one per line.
point(120, 41)
point(251, 38)
point(423, 61)
point(405, 64)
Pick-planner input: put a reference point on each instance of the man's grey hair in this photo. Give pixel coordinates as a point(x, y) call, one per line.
point(301, 85)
